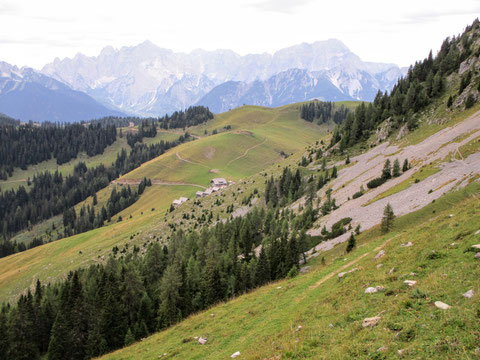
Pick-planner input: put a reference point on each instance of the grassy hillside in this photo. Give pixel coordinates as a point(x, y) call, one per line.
point(235, 155)
point(265, 323)
point(257, 137)
point(109, 156)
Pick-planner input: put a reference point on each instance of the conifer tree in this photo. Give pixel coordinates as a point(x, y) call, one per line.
point(387, 170)
point(387, 219)
point(262, 273)
point(352, 243)
point(129, 338)
point(396, 168)
point(405, 165)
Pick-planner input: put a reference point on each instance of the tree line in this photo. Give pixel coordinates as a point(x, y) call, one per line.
point(87, 219)
point(24, 145)
point(51, 193)
point(107, 306)
point(194, 115)
point(424, 82)
point(323, 112)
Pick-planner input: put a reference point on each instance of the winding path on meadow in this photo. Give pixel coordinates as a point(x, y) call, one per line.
point(154, 182)
point(189, 161)
point(246, 152)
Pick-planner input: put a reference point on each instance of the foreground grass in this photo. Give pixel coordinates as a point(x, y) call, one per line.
point(264, 324)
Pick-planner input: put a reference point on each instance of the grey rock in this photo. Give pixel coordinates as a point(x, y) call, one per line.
point(371, 322)
point(442, 305)
point(380, 254)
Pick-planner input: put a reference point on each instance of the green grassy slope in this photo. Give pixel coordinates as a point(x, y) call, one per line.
point(54, 260)
point(108, 157)
point(257, 138)
point(264, 324)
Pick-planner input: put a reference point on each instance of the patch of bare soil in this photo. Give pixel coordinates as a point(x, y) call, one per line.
point(210, 152)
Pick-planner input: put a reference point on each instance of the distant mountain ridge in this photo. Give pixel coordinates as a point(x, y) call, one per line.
point(149, 80)
point(26, 94)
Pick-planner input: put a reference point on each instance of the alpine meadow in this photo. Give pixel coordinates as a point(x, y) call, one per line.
point(300, 204)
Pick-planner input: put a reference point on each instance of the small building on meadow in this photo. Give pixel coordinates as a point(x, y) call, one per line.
point(178, 202)
point(219, 182)
point(199, 194)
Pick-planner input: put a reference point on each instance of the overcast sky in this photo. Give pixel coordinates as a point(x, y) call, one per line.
point(34, 32)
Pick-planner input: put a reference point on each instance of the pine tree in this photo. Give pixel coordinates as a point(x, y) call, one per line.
point(334, 172)
point(387, 170)
point(129, 338)
point(450, 101)
point(352, 243)
point(262, 273)
point(387, 219)
point(170, 296)
point(405, 165)
point(396, 168)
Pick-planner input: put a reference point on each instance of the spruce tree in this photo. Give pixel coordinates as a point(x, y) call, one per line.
point(405, 165)
point(262, 273)
point(352, 243)
point(129, 338)
point(387, 170)
point(334, 172)
point(387, 219)
point(396, 168)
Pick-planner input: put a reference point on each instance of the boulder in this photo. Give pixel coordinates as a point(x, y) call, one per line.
point(299, 327)
point(342, 274)
point(391, 271)
point(379, 266)
point(408, 244)
point(373, 290)
point(382, 349)
point(235, 354)
point(442, 305)
point(380, 254)
point(202, 340)
point(477, 255)
point(477, 246)
point(371, 322)
point(410, 282)
point(469, 294)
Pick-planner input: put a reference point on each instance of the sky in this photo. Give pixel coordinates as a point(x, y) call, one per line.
point(33, 33)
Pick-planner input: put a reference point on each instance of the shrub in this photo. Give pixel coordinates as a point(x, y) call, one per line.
point(292, 272)
point(357, 194)
point(376, 182)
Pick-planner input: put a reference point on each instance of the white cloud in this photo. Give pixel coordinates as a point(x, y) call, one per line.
point(282, 6)
point(35, 32)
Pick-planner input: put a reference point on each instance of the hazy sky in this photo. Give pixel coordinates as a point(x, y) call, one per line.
point(34, 32)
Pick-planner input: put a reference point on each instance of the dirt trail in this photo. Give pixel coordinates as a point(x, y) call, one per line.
point(369, 165)
point(246, 152)
point(189, 161)
point(154, 182)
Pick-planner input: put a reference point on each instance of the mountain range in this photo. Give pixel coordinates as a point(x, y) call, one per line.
point(26, 94)
point(148, 80)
